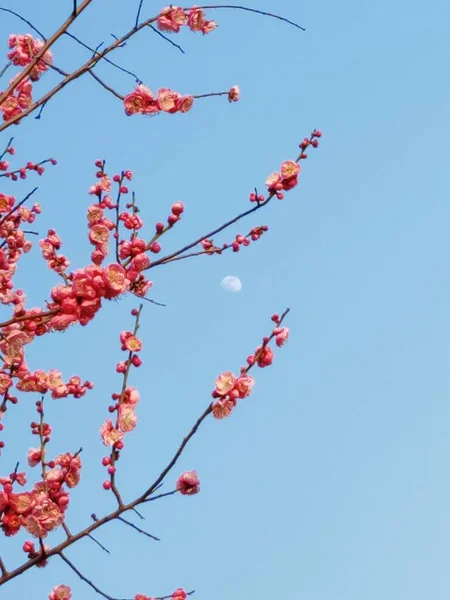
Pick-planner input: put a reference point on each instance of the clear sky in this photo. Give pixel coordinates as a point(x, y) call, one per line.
point(332, 480)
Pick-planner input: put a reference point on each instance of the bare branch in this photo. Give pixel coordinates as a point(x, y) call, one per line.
point(3, 569)
point(95, 51)
point(106, 86)
point(98, 543)
point(164, 37)
point(138, 16)
point(35, 29)
point(133, 526)
point(256, 11)
point(88, 581)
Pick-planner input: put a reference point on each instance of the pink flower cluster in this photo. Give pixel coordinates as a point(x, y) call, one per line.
point(80, 300)
point(172, 18)
point(229, 388)
point(241, 240)
point(142, 101)
point(42, 382)
point(18, 100)
point(125, 403)
point(178, 594)
point(22, 173)
point(42, 509)
point(57, 262)
point(286, 179)
point(24, 49)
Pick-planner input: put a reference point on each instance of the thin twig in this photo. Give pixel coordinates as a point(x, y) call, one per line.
point(88, 581)
point(160, 496)
point(169, 257)
point(133, 526)
point(139, 13)
point(164, 37)
point(14, 208)
point(12, 12)
point(256, 11)
point(94, 51)
point(98, 543)
point(176, 456)
point(106, 86)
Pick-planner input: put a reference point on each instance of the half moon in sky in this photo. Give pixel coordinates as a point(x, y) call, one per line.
point(231, 284)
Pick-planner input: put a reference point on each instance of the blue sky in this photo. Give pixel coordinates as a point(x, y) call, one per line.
point(332, 480)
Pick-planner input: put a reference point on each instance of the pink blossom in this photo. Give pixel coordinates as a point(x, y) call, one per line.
point(234, 94)
point(110, 435)
point(188, 483)
point(244, 385)
point(167, 100)
point(141, 100)
point(225, 383)
point(60, 592)
point(264, 356)
point(44, 517)
point(127, 419)
point(184, 103)
point(222, 408)
point(179, 594)
point(282, 336)
point(171, 19)
point(34, 456)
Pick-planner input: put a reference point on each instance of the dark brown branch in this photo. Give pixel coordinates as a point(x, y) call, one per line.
point(133, 526)
point(3, 569)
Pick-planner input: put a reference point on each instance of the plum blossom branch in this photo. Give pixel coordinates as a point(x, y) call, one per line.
point(47, 45)
point(187, 484)
point(119, 42)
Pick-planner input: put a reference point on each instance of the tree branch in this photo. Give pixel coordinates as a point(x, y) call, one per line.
point(88, 581)
point(133, 526)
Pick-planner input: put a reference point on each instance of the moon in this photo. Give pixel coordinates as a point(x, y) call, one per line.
point(230, 283)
